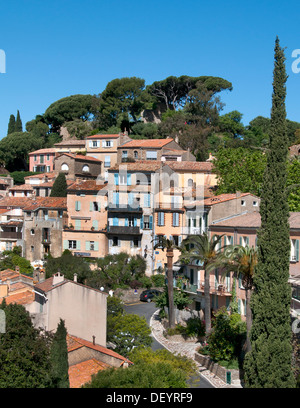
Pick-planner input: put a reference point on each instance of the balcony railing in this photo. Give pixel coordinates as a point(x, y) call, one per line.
point(10, 235)
point(124, 208)
point(122, 230)
point(220, 290)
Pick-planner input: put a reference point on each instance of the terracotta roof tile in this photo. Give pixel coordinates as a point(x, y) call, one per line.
point(190, 166)
point(81, 373)
point(80, 157)
point(21, 187)
point(154, 143)
point(74, 342)
point(115, 136)
point(19, 202)
point(41, 175)
point(45, 202)
point(71, 142)
point(216, 199)
point(89, 185)
point(141, 165)
point(23, 298)
point(41, 151)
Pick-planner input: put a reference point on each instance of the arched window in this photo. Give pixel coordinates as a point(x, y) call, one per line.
point(190, 182)
point(64, 167)
point(85, 168)
point(136, 154)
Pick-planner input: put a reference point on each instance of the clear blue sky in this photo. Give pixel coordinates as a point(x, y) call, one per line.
point(60, 48)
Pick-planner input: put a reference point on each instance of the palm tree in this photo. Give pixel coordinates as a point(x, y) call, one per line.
point(169, 245)
point(205, 250)
point(243, 260)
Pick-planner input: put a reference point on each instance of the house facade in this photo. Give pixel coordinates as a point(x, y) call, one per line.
point(42, 160)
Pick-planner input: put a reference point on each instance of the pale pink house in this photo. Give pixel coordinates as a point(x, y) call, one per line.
point(84, 234)
point(42, 160)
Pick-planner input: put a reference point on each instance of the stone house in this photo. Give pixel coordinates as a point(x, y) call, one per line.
point(77, 166)
point(44, 218)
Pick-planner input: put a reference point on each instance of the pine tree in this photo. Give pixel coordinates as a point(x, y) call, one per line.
point(59, 358)
point(59, 188)
point(18, 124)
point(11, 124)
point(268, 364)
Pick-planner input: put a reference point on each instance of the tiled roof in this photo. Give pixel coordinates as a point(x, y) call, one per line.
point(154, 143)
point(252, 220)
point(190, 166)
point(74, 343)
point(41, 151)
point(81, 373)
point(80, 157)
point(141, 165)
point(23, 298)
point(45, 202)
point(104, 136)
point(47, 285)
point(21, 187)
point(11, 223)
point(41, 175)
point(18, 202)
point(8, 274)
point(89, 185)
point(71, 142)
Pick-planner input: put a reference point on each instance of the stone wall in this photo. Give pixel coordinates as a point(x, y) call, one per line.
point(218, 370)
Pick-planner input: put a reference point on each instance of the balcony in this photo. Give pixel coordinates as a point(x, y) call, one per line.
point(219, 290)
point(122, 230)
point(124, 208)
point(10, 235)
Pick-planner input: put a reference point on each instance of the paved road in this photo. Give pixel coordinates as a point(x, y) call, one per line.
point(147, 310)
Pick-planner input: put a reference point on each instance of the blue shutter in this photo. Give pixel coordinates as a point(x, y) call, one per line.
point(77, 244)
point(87, 245)
point(126, 222)
point(151, 222)
point(116, 221)
point(77, 224)
point(128, 179)
point(116, 176)
point(142, 222)
point(135, 222)
point(130, 199)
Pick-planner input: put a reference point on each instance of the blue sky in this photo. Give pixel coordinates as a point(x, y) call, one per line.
point(60, 48)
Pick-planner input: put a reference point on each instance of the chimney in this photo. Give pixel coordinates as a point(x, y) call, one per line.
point(238, 194)
point(75, 277)
point(17, 269)
point(94, 340)
point(57, 278)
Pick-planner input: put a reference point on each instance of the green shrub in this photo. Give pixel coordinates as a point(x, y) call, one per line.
point(195, 327)
point(158, 280)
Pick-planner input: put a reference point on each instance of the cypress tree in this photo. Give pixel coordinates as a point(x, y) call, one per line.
point(11, 124)
point(18, 124)
point(268, 364)
point(59, 188)
point(59, 358)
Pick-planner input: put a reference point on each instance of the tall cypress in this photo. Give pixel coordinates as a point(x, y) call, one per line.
point(59, 188)
point(18, 125)
point(59, 358)
point(11, 124)
point(268, 364)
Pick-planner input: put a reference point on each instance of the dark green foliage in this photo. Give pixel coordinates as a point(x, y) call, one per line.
point(70, 108)
point(59, 358)
point(68, 265)
point(18, 124)
point(59, 188)
point(151, 369)
point(268, 364)
point(13, 258)
point(11, 124)
point(181, 299)
point(126, 331)
point(239, 169)
point(158, 280)
point(18, 176)
point(227, 337)
point(24, 351)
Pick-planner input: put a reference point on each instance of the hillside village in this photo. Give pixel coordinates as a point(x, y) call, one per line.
point(123, 195)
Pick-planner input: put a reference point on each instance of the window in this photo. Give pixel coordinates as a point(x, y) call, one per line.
point(115, 241)
point(95, 143)
point(294, 256)
point(122, 179)
point(146, 221)
point(77, 205)
point(32, 231)
point(151, 155)
point(190, 183)
point(175, 239)
point(108, 143)
point(41, 158)
point(175, 219)
point(160, 218)
point(136, 242)
point(92, 245)
point(48, 169)
point(107, 161)
point(72, 244)
point(243, 203)
point(124, 154)
point(228, 240)
point(32, 248)
point(48, 156)
point(8, 246)
point(64, 167)
point(244, 241)
point(135, 154)
point(255, 204)
point(35, 157)
point(45, 214)
point(85, 168)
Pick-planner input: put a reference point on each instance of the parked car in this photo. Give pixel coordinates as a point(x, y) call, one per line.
point(149, 294)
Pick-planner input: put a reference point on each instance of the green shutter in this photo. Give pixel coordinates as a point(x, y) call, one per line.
point(95, 224)
point(225, 241)
point(77, 244)
point(297, 250)
point(241, 241)
point(87, 245)
point(65, 244)
point(91, 206)
point(96, 246)
point(77, 224)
